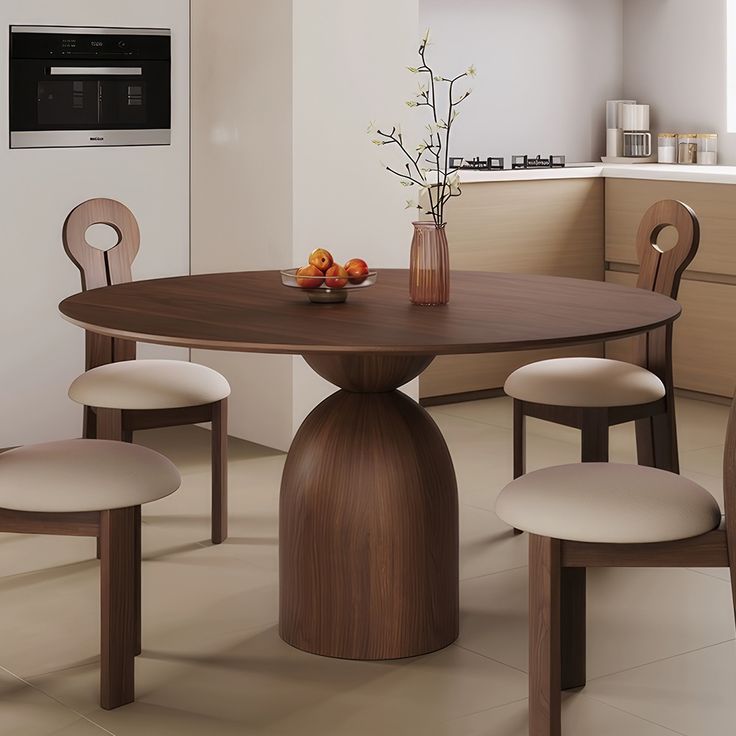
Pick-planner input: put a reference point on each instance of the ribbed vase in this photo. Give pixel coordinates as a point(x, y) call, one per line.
point(429, 265)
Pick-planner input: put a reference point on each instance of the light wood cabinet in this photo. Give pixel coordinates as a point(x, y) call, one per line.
point(704, 343)
point(714, 204)
point(553, 227)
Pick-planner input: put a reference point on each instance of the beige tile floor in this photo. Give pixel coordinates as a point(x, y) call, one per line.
point(662, 657)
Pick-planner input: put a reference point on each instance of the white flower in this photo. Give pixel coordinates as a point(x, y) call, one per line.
point(438, 78)
point(433, 128)
point(413, 69)
point(376, 142)
point(371, 127)
point(425, 37)
point(410, 203)
point(422, 147)
point(471, 71)
point(412, 103)
point(406, 183)
point(454, 183)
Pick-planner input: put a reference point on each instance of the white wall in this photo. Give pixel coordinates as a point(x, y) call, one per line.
point(282, 94)
point(242, 182)
point(349, 69)
point(675, 59)
point(41, 352)
point(545, 69)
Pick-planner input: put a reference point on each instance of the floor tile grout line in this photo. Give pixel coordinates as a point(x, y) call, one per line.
point(491, 574)
point(491, 659)
point(63, 705)
point(634, 715)
point(488, 710)
point(661, 659)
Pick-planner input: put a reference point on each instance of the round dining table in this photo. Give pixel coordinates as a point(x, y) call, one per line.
point(368, 514)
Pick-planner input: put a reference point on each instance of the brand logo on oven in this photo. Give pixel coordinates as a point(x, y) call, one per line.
point(97, 138)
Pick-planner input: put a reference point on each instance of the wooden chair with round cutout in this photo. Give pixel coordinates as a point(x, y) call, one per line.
point(605, 515)
point(593, 394)
point(92, 488)
point(121, 394)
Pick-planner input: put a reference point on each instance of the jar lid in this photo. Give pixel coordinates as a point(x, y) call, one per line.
point(707, 135)
point(687, 135)
point(668, 135)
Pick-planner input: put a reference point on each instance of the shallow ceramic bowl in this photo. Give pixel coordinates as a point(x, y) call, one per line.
point(325, 294)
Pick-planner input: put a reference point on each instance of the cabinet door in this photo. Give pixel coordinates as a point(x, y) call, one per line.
point(552, 227)
point(704, 339)
point(714, 204)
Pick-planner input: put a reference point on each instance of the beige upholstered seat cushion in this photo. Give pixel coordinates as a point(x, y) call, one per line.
point(83, 475)
point(149, 384)
point(602, 502)
point(584, 382)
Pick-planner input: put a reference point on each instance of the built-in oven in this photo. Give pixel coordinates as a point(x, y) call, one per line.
point(89, 86)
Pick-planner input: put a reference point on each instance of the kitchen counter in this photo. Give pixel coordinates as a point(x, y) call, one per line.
point(662, 172)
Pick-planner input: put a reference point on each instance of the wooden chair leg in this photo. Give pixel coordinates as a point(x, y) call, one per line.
point(544, 637)
point(573, 623)
point(109, 426)
point(594, 430)
point(656, 442)
point(117, 586)
point(137, 647)
point(519, 432)
point(89, 424)
point(219, 472)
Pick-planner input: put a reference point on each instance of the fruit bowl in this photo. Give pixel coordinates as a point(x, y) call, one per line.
point(318, 291)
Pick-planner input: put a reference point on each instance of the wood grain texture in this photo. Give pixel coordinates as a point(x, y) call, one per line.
point(553, 228)
point(118, 627)
point(368, 373)
point(81, 524)
point(219, 471)
point(251, 312)
point(368, 540)
point(729, 496)
point(707, 550)
point(707, 316)
point(545, 674)
point(627, 200)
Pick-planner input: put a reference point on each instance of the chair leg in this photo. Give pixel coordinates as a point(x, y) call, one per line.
point(594, 430)
point(573, 623)
point(544, 637)
point(519, 443)
point(137, 647)
point(89, 424)
point(219, 472)
point(108, 426)
point(656, 441)
point(117, 586)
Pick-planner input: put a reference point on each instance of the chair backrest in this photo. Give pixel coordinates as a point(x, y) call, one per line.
point(729, 488)
point(103, 268)
point(661, 271)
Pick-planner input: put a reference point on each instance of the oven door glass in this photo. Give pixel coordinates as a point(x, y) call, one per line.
point(66, 103)
point(123, 102)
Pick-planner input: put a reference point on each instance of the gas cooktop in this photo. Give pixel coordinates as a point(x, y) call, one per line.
point(497, 163)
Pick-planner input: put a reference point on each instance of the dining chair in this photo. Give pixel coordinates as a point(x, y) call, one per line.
point(593, 394)
point(605, 515)
point(93, 488)
point(121, 394)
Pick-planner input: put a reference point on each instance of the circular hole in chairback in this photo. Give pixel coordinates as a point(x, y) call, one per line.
point(667, 238)
point(102, 236)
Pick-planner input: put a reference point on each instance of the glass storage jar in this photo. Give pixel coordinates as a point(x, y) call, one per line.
point(667, 148)
point(708, 149)
point(687, 148)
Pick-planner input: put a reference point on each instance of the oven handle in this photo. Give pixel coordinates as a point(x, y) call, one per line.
point(97, 71)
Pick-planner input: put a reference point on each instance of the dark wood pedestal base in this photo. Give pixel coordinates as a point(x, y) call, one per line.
point(368, 520)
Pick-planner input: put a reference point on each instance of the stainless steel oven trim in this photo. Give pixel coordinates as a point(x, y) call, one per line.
point(101, 71)
point(92, 138)
point(83, 30)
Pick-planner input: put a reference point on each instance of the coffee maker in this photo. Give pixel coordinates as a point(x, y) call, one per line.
point(628, 135)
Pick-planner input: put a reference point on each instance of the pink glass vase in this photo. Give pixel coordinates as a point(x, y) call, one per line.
point(429, 265)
